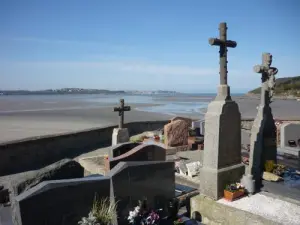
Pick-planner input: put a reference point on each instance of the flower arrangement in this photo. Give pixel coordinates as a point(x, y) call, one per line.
point(178, 222)
point(141, 215)
point(234, 187)
point(279, 169)
point(102, 213)
point(234, 191)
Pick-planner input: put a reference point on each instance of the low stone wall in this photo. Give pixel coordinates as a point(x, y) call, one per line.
point(37, 152)
point(213, 212)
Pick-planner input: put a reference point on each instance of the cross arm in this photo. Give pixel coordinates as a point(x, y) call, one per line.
point(218, 42)
point(260, 69)
point(117, 109)
point(127, 108)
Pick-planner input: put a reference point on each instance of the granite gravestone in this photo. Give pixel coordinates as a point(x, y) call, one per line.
point(67, 201)
point(176, 133)
point(134, 181)
point(290, 132)
point(263, 145)
point(59, 201)
point(120, 134)
point(142, 152)
point(122, 148)
point(222, 138)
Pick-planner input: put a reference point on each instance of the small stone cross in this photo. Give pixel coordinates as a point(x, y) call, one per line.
point(223, 43)
point(267, 78)
point(121, 111)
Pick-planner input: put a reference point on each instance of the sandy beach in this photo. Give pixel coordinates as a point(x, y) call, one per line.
point(22, 117)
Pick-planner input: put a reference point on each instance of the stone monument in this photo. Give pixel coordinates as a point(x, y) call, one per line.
point(222, 139)
point(263, 145)
point(120, 134)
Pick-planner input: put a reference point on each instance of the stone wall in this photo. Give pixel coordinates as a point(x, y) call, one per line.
point(37, 152)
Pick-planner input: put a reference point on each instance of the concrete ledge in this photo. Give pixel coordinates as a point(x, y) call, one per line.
point(214, 213)
point(288, 150)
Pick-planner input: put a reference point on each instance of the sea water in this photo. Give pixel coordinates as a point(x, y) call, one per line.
point(172, 105)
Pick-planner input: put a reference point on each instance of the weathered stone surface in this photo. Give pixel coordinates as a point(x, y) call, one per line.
point(143, 152)
point(222, 153)
point(262, 143)
point(176, 133)
point(187, 120)
point(120, 135)
point(63, 169)
point(213, 212)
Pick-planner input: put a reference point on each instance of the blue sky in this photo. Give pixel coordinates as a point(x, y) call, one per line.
point(143, 45)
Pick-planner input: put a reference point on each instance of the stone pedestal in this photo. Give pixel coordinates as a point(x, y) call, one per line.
point(262, 143)
point(120, 135)
point(222, 146)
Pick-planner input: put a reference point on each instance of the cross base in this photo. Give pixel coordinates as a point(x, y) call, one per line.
point(120, 135)
point(214, 181)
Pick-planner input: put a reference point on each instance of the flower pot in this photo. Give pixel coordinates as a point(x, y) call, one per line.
point(231, 196)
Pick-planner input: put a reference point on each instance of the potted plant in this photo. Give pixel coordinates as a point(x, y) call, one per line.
point(234, 191)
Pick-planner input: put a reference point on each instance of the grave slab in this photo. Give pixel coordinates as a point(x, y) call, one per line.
point(289, 131)
point(120, 135)
point(58, 201)
point(140, 153)
point(67, 201)
point(134, 181)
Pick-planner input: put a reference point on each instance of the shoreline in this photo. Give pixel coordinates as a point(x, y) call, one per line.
point(22, 118)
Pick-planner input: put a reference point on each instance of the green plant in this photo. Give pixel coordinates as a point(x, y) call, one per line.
point(104, 210)
point(136, 139)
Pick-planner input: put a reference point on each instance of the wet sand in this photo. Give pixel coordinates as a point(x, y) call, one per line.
point(21, 118)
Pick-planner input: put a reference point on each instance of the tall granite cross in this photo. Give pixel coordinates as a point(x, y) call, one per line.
point(223, 43)
point(222, 138)
point(267, 78)
point(121, 111)
point(263, 146)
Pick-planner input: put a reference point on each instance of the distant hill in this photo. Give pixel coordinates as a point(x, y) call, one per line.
point(286, 86)
point(59, 91)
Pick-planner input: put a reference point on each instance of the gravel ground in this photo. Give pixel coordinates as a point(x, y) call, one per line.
point(268, 207)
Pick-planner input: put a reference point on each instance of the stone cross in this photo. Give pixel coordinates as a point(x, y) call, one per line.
point(267, 78)
point(121, 111)
point(223, 43)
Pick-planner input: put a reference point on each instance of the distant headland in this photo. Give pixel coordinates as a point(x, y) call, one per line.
point(69, 91)
point(287, 87)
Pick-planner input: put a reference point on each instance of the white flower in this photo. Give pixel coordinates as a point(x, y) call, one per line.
point(137, 209)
